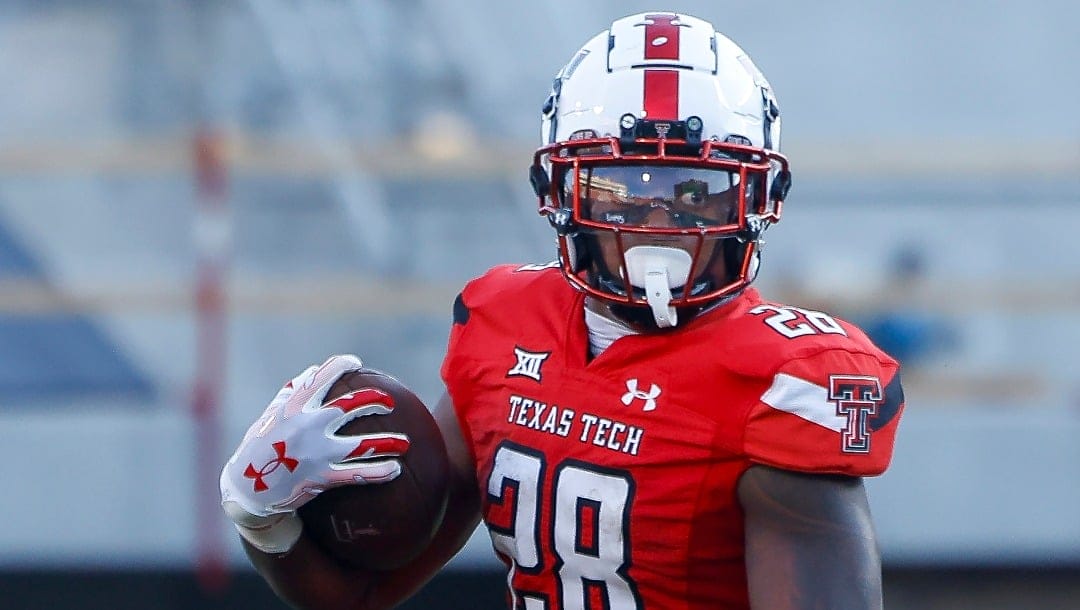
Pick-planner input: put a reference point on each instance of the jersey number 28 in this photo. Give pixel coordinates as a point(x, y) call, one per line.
point(795, 322)
point(588, 531)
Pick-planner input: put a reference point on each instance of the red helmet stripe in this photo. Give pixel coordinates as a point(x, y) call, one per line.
point(661, 37)
point(661, 86)
point(661, 94)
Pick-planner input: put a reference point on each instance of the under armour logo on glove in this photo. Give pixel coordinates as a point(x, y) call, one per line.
point(293, 452)
point(632, 393)
point(259, 474)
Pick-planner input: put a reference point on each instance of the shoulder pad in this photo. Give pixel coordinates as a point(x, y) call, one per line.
point(763, 337)
point(830, 399)
point(835, 411)
point(505, 280)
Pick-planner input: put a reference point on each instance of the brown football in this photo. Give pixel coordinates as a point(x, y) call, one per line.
point(383, 526)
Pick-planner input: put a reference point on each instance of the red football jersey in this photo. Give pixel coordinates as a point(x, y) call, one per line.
point(611, 482)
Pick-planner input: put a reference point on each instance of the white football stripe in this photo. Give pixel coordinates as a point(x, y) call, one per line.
point(804, 399)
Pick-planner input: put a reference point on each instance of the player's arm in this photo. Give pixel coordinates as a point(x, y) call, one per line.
point(298, 424)
point(809, 541)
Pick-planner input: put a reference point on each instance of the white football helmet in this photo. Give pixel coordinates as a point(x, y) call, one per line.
point(660, 167)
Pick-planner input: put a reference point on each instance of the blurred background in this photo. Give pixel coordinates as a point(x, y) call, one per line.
point(199, 198)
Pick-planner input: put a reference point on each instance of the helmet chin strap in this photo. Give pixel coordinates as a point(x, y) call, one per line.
point(657, 270)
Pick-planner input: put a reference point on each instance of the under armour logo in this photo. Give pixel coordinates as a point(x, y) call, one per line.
point(632, 393)
point(528, 364)
point(258, 475)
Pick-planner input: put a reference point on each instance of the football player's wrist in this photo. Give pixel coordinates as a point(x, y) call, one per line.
point(272, 533)
point(278, 534)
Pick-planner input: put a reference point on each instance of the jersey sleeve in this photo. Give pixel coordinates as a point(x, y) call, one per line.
point(455, 366)
point(835, 412)
point(460, 368)
point(483, 300)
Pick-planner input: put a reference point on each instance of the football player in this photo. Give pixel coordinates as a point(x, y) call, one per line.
point(637, 427)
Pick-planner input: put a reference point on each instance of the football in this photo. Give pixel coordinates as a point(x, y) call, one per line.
point(383, 526)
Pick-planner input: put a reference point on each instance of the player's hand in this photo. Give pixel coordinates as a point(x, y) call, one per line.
point(292, 453)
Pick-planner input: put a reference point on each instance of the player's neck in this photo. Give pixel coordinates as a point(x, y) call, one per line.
point(604, 328)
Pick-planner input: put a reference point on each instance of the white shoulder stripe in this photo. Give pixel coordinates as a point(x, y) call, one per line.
point(804, 399)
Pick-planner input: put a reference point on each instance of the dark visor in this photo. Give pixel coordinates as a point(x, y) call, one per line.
point(658, 196)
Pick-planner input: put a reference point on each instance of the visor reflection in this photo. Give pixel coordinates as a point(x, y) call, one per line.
point(659, 196)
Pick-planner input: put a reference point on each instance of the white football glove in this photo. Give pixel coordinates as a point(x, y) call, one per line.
point(292, 453)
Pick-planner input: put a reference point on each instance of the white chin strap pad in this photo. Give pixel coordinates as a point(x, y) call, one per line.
point(657, 270)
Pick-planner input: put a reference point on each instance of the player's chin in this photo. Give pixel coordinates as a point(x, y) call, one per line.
point(700, 251)
point(641, 319)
